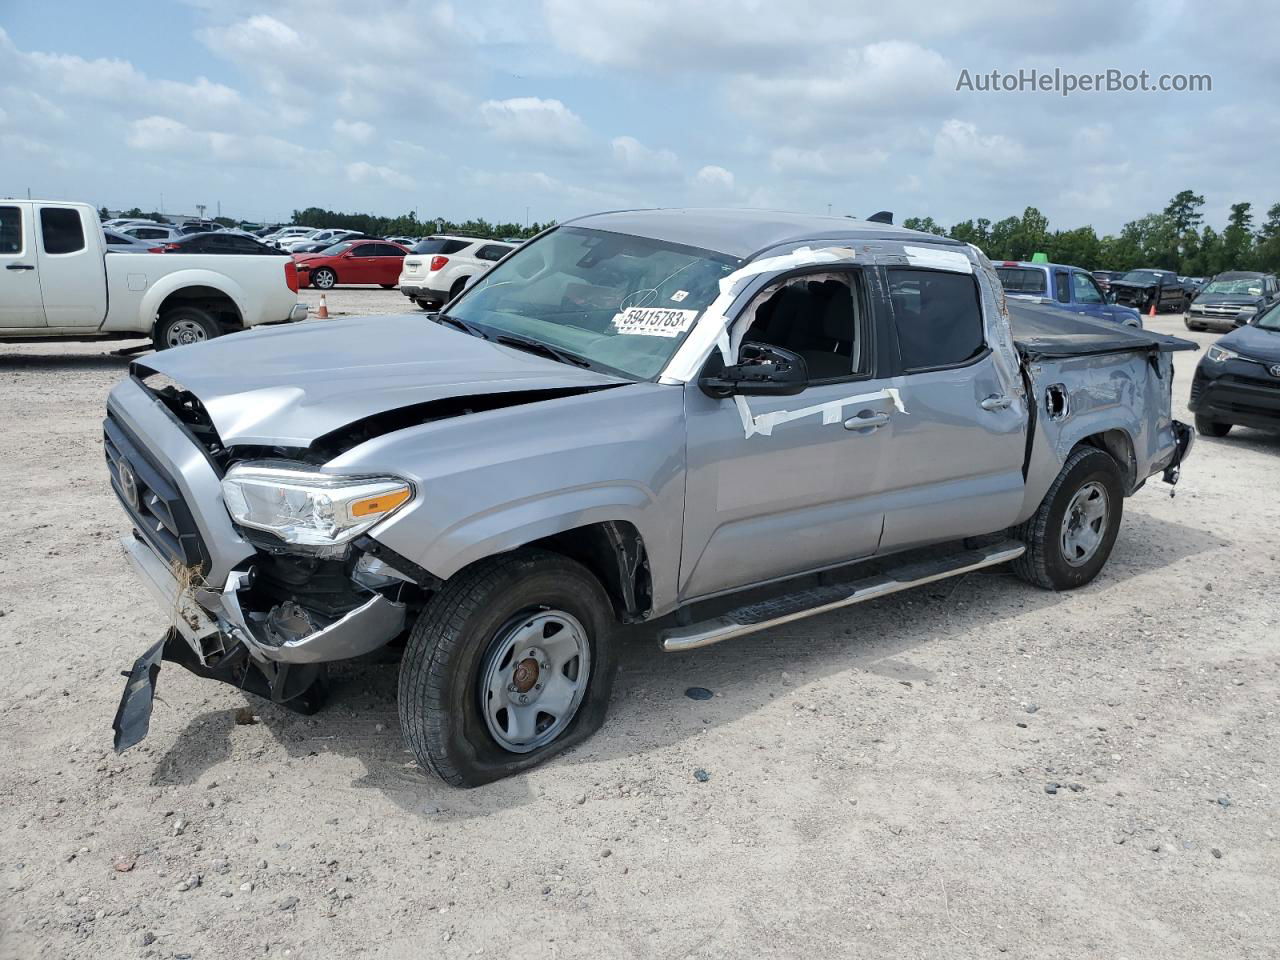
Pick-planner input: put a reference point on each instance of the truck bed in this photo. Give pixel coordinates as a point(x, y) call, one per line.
point(1042, 332)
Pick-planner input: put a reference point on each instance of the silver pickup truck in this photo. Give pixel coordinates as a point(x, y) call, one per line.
point(714, 421)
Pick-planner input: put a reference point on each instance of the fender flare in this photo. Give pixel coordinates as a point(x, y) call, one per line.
point(166, 286)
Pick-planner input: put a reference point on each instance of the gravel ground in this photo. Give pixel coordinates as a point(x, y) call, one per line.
point(878, 782)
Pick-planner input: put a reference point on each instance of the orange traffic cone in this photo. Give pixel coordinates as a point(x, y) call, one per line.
point(1150, 313)
point(323, 312)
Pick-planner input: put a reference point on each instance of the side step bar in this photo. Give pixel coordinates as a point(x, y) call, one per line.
point(823, 599)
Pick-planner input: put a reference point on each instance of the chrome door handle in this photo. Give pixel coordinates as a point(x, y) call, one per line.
point(997, 402)
point(869, 422)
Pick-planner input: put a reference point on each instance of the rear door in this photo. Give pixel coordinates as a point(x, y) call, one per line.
point(20, 302)
point(955, 461)
point(73, 282)
point(389, 260)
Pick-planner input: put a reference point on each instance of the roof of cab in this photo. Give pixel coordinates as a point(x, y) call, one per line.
point(746, 233)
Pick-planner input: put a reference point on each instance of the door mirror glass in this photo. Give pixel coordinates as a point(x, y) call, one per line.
point(761, 370)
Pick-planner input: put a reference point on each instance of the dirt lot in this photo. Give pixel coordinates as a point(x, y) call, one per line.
point(877, 778)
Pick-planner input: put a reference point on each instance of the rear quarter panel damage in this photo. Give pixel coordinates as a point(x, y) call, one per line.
point(1123, 400)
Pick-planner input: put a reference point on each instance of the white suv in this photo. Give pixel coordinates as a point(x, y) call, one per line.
point(437, 268)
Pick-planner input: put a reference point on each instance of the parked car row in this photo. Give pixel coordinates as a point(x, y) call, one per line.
point(1063, 286)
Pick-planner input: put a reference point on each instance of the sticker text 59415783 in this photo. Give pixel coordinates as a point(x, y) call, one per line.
point(653, 321)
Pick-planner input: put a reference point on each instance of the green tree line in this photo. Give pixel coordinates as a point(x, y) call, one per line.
point(1173, 239)
point(408, 225)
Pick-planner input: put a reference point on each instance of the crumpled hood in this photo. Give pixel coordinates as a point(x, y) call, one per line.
point(1134, 284)
point(1253, 343)
point(288, 385)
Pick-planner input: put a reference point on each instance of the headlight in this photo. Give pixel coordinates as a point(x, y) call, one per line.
point(307, 508)
point(1221, 354)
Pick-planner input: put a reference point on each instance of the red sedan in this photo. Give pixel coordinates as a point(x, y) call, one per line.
point(352, 261)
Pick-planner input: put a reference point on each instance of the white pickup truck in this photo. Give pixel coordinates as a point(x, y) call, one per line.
point(58, 281)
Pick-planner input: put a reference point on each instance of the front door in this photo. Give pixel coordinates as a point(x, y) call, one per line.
point(781, 485)
point(1088, 298)
point(20, 303)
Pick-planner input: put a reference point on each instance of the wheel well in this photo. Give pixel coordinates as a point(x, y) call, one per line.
point(1120, 446)
point(457, 285)
point(212, 299)
point(613, 551)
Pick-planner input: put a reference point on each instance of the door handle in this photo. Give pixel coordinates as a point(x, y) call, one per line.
point(869, 422)
point(996, 402)
point(20, 266)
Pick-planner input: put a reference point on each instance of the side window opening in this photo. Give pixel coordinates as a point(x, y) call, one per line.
point(10, 229)
point(1061, 287)
point(61, 230)
point(938, 317)
point(819, 317)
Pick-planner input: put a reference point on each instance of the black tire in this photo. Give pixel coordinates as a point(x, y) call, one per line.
point(324, 278)
point(1045, 564)
point(1211, 428)
point(387, 286)
point(439, 687)
point(426, 304)
point(458, 286)
point(184, 325)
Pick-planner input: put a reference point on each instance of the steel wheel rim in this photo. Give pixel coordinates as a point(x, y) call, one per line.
point(544, 657)
point(323, 279)
point(1084, 524)
point(185, 331)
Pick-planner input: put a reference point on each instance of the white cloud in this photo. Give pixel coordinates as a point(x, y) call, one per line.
point(362, 172)
point(530, 120)
point(165, 135)
point(637, 159)
point(959, 142)
point(718, 179)
point(822, 164)
point(357, 131)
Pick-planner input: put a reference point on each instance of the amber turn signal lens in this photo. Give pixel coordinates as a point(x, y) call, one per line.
point(382, 503)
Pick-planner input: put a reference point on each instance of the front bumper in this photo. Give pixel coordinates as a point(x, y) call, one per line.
point(212, 622)
point(1243, 393)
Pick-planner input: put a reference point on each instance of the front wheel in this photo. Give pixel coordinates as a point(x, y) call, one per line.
point(387, 286)
point(511, 662)
point(184, 325)
point(323, 279)
point(1211, 428)
point(1071, 534)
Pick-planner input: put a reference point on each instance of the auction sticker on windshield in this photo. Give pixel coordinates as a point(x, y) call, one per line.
point(653, 321)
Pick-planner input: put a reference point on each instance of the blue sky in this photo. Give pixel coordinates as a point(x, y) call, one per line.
point(562, 107)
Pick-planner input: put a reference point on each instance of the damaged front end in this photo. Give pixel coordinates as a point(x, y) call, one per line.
point(263, 592)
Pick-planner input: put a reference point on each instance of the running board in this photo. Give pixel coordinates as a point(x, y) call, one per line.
point(823, 599)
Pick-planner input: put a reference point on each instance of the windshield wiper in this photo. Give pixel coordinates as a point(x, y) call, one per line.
point(537, 346)
point(445, 319)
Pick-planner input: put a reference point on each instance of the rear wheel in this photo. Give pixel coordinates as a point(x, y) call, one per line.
point(425, 304)
point(180, 326)
point(387, 286)
point(511, 662)
point(1072, 533)
point(323, 279)
point(1211, 428)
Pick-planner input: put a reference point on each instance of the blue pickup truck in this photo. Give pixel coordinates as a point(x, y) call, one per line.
point(1060, 286)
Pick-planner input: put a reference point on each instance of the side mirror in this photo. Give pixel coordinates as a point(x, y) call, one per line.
point(1243, 319)
point(762, 370)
